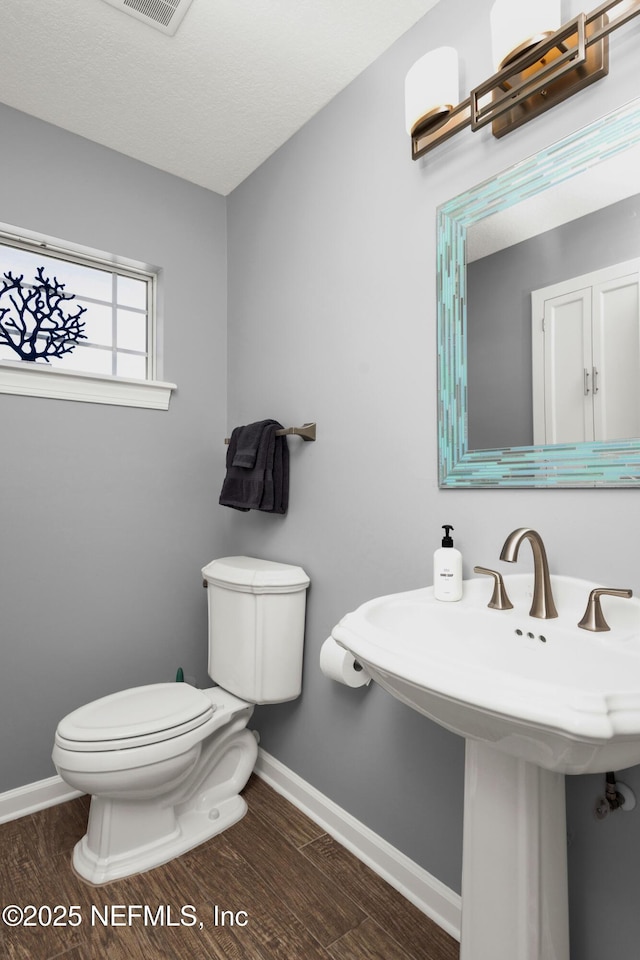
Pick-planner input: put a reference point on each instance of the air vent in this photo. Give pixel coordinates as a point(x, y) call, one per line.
point(164, 15)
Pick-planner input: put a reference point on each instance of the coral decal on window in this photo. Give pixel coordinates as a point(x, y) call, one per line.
point(36, 320)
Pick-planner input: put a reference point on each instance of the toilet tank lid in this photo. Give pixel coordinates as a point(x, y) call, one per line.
point(251, 575)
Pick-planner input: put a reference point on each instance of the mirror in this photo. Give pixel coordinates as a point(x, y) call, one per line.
point(522, 260)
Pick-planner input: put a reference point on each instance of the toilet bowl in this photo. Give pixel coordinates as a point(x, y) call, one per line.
point(154, 799)
point(165, 763)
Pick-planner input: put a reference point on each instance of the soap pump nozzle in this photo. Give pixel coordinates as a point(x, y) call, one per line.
point(447, 540)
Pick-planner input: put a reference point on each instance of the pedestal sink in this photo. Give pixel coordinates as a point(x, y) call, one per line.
point(535, 700)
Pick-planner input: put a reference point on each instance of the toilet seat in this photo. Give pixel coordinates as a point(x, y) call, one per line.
point(135, 718)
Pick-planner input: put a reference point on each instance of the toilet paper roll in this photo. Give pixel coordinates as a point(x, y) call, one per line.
point(338, 664)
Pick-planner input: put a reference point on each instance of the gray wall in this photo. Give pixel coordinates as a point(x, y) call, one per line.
point(107, 513)
point(332, 317)
point(331, 249)
point(499, 314)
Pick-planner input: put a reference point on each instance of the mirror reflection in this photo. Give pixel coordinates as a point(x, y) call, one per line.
point(553, 342)
point(539, 317)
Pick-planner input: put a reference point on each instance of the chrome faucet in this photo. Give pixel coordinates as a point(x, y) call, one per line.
point(542, 606)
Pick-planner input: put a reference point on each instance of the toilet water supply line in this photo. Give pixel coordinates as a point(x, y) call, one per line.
point(617, 796)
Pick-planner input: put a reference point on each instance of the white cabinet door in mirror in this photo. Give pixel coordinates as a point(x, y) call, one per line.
point(586, 357)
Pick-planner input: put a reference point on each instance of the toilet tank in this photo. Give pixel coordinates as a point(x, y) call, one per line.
point(256, 627)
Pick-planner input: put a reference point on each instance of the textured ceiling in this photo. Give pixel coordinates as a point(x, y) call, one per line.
point(208, 104)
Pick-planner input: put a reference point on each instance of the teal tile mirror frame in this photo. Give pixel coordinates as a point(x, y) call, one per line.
point(591, 464)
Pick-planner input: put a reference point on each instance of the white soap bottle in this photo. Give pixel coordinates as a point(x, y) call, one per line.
point(447, 569)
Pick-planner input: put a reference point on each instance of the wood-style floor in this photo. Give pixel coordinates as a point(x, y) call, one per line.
point(289, 892)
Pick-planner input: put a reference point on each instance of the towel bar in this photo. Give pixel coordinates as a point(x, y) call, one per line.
point(307, 431)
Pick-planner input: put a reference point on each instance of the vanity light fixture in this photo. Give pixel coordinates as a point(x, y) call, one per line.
point(517, 28)
point(436, 72)
point(538, 64)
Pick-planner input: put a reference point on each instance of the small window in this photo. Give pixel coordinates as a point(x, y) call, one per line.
point(65, 312)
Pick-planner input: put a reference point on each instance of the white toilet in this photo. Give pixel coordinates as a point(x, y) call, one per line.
point(165, 763)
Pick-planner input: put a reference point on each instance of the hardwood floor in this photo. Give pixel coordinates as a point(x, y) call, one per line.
point(272, 887)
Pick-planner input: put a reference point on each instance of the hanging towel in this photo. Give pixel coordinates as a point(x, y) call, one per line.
point(248, 443)
point(264, 485)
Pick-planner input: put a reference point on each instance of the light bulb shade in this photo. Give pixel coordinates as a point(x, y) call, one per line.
point(513, 24)
point(431, 83)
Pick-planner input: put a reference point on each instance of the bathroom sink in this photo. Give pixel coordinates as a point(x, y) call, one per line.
point(544, 691)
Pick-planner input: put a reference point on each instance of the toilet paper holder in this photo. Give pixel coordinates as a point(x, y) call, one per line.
point(340, 665)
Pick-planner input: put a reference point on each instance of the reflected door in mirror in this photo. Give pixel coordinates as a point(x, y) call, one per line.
point(586, 357)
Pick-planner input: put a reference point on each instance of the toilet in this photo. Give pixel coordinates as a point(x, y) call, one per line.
point(165, 763)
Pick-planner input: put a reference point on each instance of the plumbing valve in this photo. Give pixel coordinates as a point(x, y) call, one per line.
point(617, 796)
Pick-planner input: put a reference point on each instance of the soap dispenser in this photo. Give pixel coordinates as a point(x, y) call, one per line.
point(447, 569)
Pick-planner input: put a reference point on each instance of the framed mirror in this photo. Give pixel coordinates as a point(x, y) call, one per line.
point(538, 278)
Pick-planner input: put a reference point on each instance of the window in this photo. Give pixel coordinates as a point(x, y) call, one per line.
point(77, 325)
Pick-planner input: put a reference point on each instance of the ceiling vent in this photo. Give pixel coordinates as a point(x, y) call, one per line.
point(164, 15)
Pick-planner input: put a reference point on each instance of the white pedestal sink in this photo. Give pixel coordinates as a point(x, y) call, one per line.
point(535, 700)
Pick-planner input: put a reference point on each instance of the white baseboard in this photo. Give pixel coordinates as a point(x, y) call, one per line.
point(34, 796)
point(434, 898)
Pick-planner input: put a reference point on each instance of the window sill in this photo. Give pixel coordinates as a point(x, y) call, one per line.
point(37, 380)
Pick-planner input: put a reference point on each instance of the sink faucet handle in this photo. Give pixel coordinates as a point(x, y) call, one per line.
point(499, 599)
point(593, 618)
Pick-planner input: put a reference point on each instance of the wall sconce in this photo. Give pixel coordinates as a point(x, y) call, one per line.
point(538, 64)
